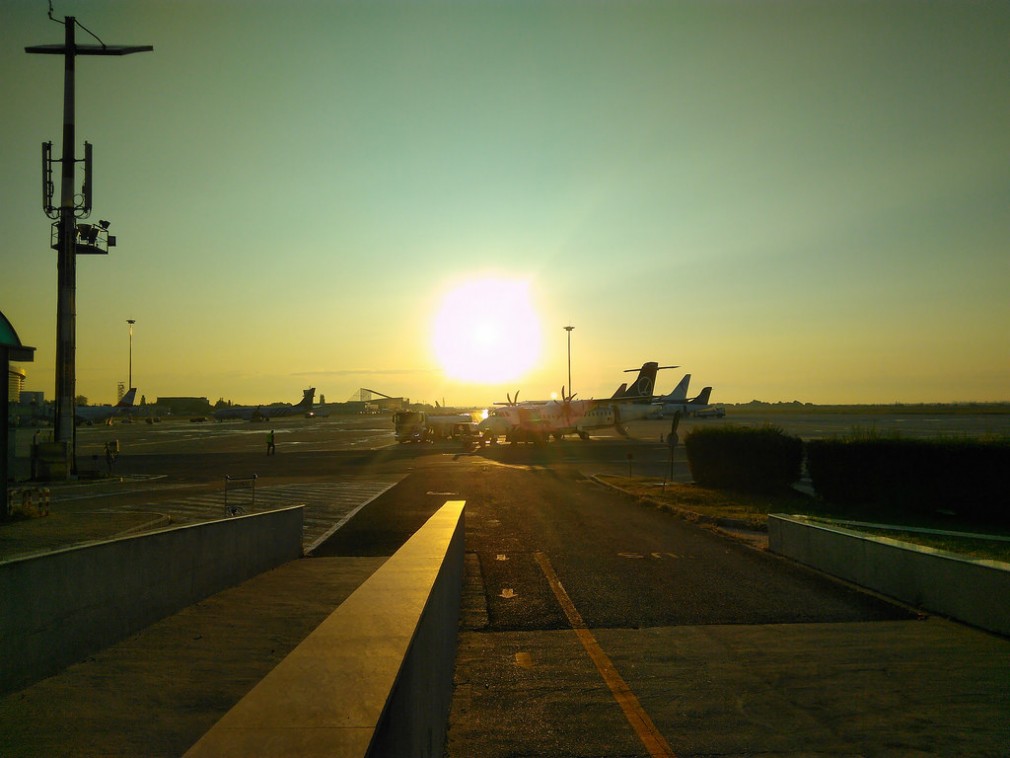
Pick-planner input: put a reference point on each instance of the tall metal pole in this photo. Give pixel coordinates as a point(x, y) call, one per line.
point(569, 330)
point(131, 322)
point(66, 263)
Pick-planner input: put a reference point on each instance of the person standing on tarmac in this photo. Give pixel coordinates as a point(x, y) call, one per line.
point(673, 439)
point(271, 448)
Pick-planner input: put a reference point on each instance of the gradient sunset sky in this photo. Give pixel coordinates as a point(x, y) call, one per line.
point(791, 200)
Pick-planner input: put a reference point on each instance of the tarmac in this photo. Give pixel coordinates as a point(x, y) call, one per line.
point(157, 692)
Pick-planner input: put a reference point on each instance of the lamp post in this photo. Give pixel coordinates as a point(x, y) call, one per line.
point(131, 322)
point(569, 330)
point(69, 210)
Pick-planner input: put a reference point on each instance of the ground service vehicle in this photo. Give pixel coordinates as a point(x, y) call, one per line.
point(410, 426)
point(418, 426)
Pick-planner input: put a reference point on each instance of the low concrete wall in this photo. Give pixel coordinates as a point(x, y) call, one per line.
point(57, 608)
point(375, 678)
point(971, 591)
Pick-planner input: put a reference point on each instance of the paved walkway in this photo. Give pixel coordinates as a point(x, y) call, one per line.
point(157, 692)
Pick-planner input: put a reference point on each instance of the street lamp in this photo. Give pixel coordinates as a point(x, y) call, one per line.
point(66, 214)
point(131, 322)
point(569, 330)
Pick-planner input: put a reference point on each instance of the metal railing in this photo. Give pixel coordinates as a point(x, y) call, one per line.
point(232, 483)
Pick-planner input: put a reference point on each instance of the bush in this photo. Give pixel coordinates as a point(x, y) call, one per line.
point(967, 477)
point(750, 459)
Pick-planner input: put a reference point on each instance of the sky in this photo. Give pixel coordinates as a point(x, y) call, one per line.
point(789, 200)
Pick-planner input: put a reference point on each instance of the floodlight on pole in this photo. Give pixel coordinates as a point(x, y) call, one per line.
point(569, 330)
point(131, 322)
point(69, 210)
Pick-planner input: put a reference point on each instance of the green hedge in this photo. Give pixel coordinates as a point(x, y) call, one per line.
point(750, 459)
point(967, 477)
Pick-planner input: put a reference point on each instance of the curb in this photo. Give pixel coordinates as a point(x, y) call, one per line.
point(686, 514)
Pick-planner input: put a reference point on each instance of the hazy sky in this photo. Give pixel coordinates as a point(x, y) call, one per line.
point(792, 200)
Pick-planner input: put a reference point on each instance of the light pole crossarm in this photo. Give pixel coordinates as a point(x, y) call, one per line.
point(90, 49)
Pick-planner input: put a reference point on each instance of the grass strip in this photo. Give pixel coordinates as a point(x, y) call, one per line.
point(750, 511)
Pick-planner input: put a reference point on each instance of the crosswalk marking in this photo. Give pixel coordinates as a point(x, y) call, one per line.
point(328, 505)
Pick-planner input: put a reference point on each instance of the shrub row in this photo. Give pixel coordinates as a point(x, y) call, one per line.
point(967, 477)
point(750, 459)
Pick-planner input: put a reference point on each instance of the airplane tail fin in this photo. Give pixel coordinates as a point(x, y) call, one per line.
point(127, 401)
point(679, 394)
point(307, 397)
point(645, 383)
point(703, 397)
point(620, 391)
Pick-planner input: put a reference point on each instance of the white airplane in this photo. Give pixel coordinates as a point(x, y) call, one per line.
point(96, 414)
point(676, 397)
point(679, 394)
point(696, 406)
point(267, 412)
point(536, 421)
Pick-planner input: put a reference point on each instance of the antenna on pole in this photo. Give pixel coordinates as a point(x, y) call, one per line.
point(71, 238)
point(85, 207)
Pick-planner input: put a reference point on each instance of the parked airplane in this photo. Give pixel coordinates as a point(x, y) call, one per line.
point(696, 406)
point(535, 421)
point(266, 412)
point(678, 395)
point(96, 414)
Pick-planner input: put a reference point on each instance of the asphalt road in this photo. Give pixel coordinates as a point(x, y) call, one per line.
point(594, 625)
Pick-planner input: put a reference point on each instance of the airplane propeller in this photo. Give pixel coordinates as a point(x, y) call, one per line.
point(567, 404)
point(511, 400)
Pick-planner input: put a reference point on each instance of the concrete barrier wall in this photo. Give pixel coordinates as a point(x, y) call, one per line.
point(57, 608)
point(971, 591)
point(375, 678)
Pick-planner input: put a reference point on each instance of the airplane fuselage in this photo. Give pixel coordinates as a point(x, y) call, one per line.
point(536, 422)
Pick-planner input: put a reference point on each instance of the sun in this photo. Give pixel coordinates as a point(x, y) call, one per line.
point(487, 331)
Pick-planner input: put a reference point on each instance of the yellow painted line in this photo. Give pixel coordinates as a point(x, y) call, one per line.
point(647, 732)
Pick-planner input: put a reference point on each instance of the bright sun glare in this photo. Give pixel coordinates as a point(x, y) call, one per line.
point(487, 331)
